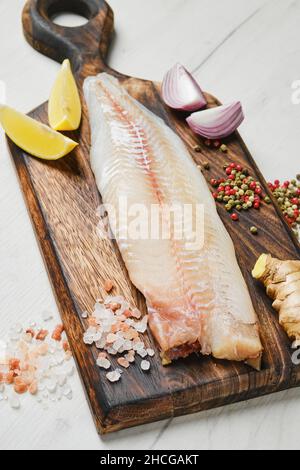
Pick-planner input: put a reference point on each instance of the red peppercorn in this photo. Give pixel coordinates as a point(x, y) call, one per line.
point(214, 182)
point(232, 192)
point(296, 213)
point(207, 142)
point(239, 167)
point(222, 180)
point(220, 189)
point(258, 190)
point(215, 195)
point(228, 188)
point(217, 143)
point(286, 184)
point(227, 193)
point(252, 185)
point(228, 171)
point(232, 165)
point(276, 183)
point(231, 177)
point(295, 200)
point(234, 217)
point(256, 205)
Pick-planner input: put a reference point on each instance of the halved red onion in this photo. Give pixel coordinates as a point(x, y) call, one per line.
point(181, 91)
point(217, 123)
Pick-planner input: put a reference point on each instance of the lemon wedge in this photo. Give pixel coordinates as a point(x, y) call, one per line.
point(64, 108)
point(34, 137)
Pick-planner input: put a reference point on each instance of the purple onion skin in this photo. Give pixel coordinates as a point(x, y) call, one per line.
point(223, 127)
point(181, 91)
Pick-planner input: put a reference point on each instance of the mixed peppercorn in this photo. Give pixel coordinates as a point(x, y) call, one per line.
point(238, 191)
point(288, 198)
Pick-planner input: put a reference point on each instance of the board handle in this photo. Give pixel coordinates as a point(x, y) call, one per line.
point(86, 46)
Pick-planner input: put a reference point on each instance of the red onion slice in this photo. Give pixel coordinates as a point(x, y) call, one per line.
point(181, 91)
point(217, 123)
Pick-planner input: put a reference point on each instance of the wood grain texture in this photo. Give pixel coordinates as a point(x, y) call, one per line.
point(62, 199)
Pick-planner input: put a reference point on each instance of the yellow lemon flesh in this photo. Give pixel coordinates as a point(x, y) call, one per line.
point(64, 108)
point(35, 138)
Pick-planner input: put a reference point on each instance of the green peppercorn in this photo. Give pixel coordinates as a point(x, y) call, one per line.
point(224, 148)
point(267, 199)
point(228, 207)
point(245, 207)
point(226, 198)
point(238, 207)
point(220, 198)
point(245, 187)
point(253, 230)
point(243, 176)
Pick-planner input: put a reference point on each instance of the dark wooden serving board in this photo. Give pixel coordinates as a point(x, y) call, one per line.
point(62, 199)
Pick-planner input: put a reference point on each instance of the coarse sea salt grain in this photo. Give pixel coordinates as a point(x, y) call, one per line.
point(14, 402)
point(142, 352)
point(113, 376)
point(145, 365)
point(138, 345)
point(130, 357)
point(51, 386)
point(150, 352)
point(66, 390)
point(46, 315)
point(84, 315)
point(61, 380)
point(103, 363)
point(118, 344)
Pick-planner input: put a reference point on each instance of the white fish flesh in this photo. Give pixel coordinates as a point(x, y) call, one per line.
point(197, 297)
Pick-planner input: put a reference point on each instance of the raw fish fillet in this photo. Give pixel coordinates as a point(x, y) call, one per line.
point(197, 298)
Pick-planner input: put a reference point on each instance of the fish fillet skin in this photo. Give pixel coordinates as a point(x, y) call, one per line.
point(197, 298)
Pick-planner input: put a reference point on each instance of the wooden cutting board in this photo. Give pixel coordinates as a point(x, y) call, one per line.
point(62, 199)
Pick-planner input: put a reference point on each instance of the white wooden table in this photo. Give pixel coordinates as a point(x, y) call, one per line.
point(238, 50)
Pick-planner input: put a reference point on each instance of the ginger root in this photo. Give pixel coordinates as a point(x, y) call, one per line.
point(282, 282)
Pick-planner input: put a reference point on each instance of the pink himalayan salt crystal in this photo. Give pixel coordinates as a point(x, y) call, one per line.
point(33, 388)
point(136, 313)
point(122, 361)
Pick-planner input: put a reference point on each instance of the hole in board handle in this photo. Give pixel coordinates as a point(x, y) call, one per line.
point(72, 13)
point(69, 20)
